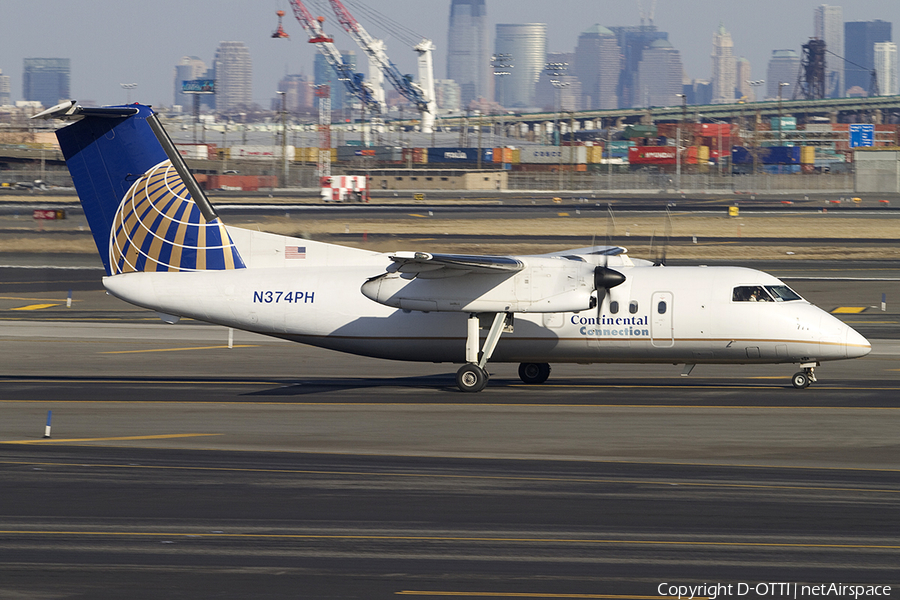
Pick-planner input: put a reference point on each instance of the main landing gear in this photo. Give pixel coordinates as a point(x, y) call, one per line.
point(472, 376)
point(803, 378)
point(534, 372)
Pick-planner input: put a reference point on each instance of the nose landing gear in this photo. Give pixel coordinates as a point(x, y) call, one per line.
point(473, 376)
point(803, 378)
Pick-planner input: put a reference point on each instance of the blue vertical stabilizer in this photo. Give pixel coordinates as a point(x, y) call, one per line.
point(141, 215)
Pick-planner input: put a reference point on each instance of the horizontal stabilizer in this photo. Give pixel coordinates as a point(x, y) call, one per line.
point(70, 110)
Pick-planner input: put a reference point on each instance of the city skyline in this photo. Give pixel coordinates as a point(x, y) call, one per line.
point(102, 57)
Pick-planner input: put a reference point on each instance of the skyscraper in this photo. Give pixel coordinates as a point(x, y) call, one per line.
point(323, 73)
point(598, 62)
point(558, 88)
point(526, 46)
point(859, 48)
point(189, 67)
point(234, 76)
point(46, 80)
point(886, 68)
point(632, 42)
point(723, 67)
point(743, 89)
point(783, 68)
point(659, 76)
point(5, 95)
point(298, 93)
point(468, 54)
point(446, 93)
point(829, 26)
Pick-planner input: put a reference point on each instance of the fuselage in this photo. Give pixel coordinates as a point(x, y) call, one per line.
point(660, 314)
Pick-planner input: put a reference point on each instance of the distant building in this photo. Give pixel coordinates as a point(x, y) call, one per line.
point(632, 43)
point(659, 76)
point(597, 65)
point(558, 88)
point(189, 67)
point(743, 89)
point(526, 46)
point(46, 80)
point(886, 68)
point(860, 38)
point(697, 91)
point(234, 76)
point(324, 74)
point(298, 93)
point(784, 67)
point(468, 54)
point(5, 95)
point(723, 67)
point(828, 24)
point(447, 94)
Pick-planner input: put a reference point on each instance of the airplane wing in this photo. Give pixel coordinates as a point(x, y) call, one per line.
point(452, 264)
point(595, 250)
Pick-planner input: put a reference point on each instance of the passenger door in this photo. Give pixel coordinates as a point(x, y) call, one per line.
point(662, 334)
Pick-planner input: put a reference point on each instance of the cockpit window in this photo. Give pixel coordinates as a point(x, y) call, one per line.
point(750, 293)
point(783, 293)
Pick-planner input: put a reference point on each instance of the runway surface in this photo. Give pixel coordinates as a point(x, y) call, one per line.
point(180, 468)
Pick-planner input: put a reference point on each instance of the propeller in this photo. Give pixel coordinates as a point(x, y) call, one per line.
point(604, 280)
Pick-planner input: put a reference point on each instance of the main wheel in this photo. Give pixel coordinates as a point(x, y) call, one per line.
point(800, 380)
point(471, 378)
point(534, 372)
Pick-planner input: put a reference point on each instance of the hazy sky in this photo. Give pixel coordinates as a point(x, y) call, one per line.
point(115, 41)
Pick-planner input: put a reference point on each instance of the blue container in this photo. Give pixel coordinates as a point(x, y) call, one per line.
point(459, 155)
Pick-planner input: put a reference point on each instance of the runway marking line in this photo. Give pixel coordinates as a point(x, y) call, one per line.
point(178, 349)
point(437, 538)
point(167, 436)
point(534, 595)
point(36, 299)
point(667, 483)
point(34, 306)
point(419, 216)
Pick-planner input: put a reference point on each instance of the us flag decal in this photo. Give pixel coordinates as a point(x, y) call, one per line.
point(295, 251)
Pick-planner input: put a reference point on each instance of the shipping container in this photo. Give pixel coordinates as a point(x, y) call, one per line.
point(193, 151)
point(246, 183)
point(807, 155)
point(378, 153)
point(553, 155)
point(458, 155)
point(772, 155)
point(639, 131)
point(787, 123)
point(259, 152)
point(503, 155)
point(665, 155)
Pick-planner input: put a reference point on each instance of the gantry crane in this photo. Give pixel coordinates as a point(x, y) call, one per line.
point(352, 81)
point(421, 95)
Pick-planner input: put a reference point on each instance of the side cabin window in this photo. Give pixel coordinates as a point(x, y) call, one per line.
point(661, 307)
point(633, 307)
point(750, 293)
point(614, 307)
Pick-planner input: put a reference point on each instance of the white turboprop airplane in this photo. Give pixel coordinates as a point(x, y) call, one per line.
point(165, 249)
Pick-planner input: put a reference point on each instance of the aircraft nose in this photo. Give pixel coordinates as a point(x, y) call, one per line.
point(855, 344)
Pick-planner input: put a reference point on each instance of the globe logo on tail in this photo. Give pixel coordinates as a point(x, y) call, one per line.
point(158, 227)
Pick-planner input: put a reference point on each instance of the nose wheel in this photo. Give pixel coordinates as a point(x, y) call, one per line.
point(803, 378)
point(471, 378)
